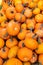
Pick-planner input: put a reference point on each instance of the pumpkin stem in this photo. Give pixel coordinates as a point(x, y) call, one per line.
point(1, 14)
point(11, 38)
point(23, 45)
point(34, 35)
point(14, 20)
point(23, 11)
point(38, 39)
point(9, 3)
point(39, 63)
point(3, 49)
point(6, 34)
point(33, 54)
point(0, 7)
point(36, 63)
point(5, 21)
point(12, 12)
point(31, 29)
point(41, 26)
point(0, 24)
point(25, 5)
point(20, 30)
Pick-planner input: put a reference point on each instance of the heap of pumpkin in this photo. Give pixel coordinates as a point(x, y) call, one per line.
point(21, 32)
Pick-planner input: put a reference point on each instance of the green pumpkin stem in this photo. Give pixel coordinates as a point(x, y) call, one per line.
point(39, 40)
point(0, 7)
